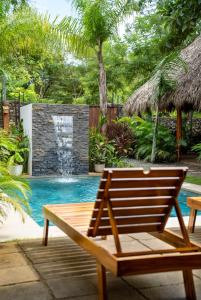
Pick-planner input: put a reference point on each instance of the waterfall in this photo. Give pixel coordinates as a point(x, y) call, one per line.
point(63, 126)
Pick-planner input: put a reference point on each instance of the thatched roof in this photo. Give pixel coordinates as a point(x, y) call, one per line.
point(187, 94)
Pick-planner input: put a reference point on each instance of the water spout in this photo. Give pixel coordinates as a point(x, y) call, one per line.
point(64, 136)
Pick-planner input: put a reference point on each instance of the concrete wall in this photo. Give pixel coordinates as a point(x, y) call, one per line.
point(44, 145)
point(26, 116)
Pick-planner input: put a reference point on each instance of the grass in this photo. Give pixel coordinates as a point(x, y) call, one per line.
point(193, 179)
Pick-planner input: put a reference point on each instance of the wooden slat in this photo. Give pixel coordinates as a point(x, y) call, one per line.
point(134, 211)
point(129, 220)
point(135, 202)
point(162, 251)
point(127, 229)
point(154, 172)
point(163, 263)
point(127, 193)
point(143, 182)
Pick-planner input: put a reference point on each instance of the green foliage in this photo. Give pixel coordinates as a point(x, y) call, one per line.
point(14, 191)
point(193, 179)
point(197, 148)
point(101, 151)
point(144, 136)
point(14, 146)
point(32, 47)
point(122, 137)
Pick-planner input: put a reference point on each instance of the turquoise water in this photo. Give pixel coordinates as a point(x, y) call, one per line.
point(77, 189)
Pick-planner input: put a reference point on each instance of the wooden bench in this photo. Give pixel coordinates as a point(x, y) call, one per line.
point(195, 204)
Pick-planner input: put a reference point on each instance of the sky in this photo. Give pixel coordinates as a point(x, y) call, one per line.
point(64, 8)
point(55, 8)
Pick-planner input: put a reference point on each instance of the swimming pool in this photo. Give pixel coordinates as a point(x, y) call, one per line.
point(76, 189)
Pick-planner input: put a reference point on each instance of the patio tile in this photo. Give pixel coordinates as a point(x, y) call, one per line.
point(156, 244)
point(174, 291)
point(9, 248)
point(168, 292)
point(133, 246)
point(197, 273)
point(155, 280)
point(141, 236)
point(125, 294)
point(17, 275)
point(67, 268)
point(9, 260)
point(71, 287)
point(25, 291)
point(113, 283)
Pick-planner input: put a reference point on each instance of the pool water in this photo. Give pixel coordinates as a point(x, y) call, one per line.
point(76, 189)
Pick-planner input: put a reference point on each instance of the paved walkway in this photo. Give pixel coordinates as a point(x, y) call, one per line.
point(29, 271)
point(193, 164)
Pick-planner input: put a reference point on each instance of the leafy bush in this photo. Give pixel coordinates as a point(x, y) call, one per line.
point(197, 148)
point(144, 137)
point(13, 191)
point(14, 146)
point(103, 151)
point(121, 134)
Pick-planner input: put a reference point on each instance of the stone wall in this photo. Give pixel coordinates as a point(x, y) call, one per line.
point(196, 127)
point(44, 145)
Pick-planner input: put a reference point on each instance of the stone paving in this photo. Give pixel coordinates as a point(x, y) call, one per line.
point(62, 270)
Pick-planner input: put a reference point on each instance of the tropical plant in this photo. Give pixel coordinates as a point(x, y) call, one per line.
point(14, 191)
point(164, 80)
point(13, 148)
point(122, 136)
point(101, 151)
point(197, 148)
point(97, 21)
point(165, 147)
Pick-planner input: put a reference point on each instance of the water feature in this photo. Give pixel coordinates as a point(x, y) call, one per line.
point(63, 126)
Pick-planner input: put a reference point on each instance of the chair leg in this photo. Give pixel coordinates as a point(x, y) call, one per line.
point(192, 218)
point(45, 232)
point(101, 272)
point(189, 284)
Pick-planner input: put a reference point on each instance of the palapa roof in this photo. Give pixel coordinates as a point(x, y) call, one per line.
point(186, 95)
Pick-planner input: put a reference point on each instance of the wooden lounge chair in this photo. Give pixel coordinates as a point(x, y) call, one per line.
point(131, 201)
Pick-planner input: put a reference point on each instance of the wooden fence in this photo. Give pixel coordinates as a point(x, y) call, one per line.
point(113, 112)
point(13, 114)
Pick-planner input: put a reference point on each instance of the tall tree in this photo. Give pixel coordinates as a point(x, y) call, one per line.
point(27, 39)
point(164, 80)
point(97, 21)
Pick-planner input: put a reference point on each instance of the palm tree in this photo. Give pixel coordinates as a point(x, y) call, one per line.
point(14, 191)
point(97, 21)
point(164, 79)
point(25, 33)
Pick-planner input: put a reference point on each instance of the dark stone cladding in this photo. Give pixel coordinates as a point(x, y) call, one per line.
point(44, 146)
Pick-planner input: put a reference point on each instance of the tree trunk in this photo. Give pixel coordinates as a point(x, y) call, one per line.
point(155, 133)
point(178, 134)
point(3, 93)
point(102, 81)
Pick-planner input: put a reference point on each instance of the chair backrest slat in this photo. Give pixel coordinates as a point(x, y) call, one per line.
point(141, 201)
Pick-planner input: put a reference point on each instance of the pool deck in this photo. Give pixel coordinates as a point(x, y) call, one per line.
point(62, 270)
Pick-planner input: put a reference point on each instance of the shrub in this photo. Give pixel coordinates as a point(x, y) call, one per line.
point(14, 146)
point(103, 151)
point(13, 191)
point(197, 148)
point(144, 137)
point(121, 135)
